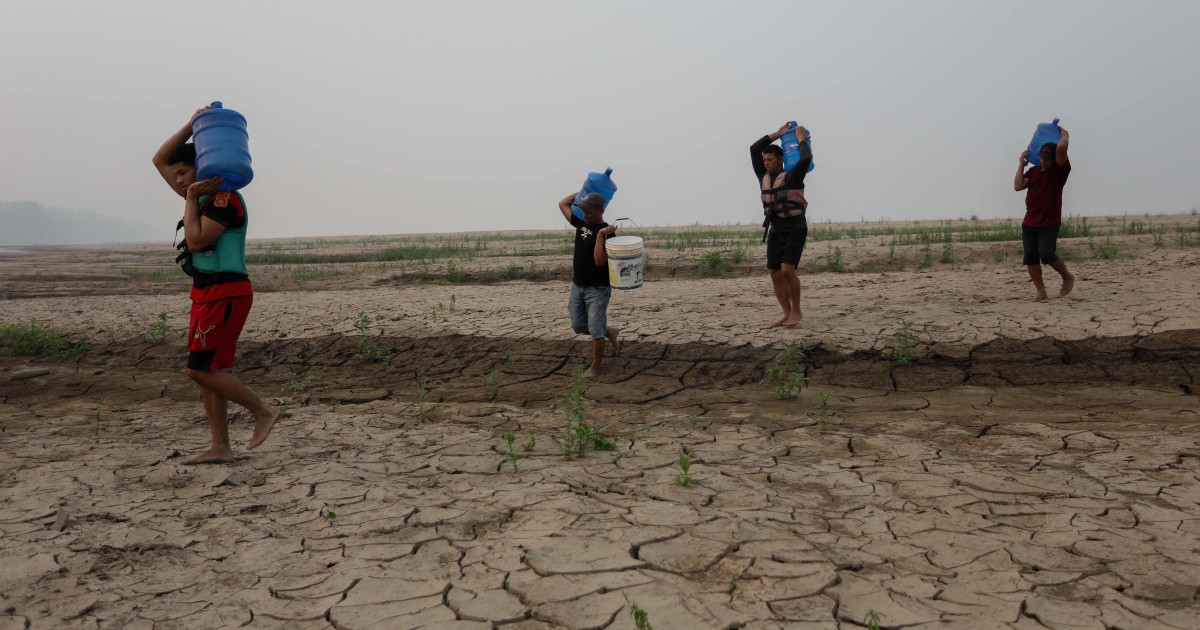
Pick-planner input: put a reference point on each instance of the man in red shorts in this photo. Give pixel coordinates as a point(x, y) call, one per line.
point(214, 228)
point(1043, 212)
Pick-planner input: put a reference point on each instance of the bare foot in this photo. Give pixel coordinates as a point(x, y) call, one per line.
point(790, 323)
point(615, 339)
point(1068, 284)
point(593, 372)
point(214, 455)
point(263, 426)
point(1041, 297)
point(779, 322)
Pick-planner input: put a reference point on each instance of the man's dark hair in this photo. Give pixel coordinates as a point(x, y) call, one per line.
point(185, 154)
point(773, 150)
point(1052, 147)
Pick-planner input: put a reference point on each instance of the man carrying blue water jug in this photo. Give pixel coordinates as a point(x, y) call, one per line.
point(784, 209)
point(590, 290)
point(1044, 185)
point(214, 254)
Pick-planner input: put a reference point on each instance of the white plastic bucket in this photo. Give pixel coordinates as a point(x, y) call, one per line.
point(625, 257)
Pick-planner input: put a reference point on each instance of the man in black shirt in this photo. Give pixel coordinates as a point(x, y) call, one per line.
point(784, 210)
point(590, 289)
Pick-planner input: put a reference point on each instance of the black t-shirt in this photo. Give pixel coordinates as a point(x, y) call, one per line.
point(586, 272)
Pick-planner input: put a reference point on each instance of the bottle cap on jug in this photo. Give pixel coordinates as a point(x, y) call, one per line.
point(216, 105)
point(608, 171)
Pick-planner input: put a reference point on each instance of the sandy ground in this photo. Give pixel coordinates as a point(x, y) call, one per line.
point(1037, 466)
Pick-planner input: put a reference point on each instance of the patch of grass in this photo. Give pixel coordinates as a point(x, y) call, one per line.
point(580, 436)
point(714, 264)
point(785, 376)
point(511, 271)
point(926, 257)
point(33, 340)
point(507, 357)
point(157, 334)
point(823, 408)
point(531, 443)
point(368, 352)
point(738, 255)
point(905, 338)
point(685, 466)
point(693, 420)
point(301, 385)
point(1104, 251)
point(454, 273)
point(948, 250)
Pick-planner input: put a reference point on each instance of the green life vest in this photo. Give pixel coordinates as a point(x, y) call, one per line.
point(228, 253)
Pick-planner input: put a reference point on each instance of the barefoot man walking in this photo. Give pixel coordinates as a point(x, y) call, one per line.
point(214, 228)
point(784, 208)
point(1043, 212)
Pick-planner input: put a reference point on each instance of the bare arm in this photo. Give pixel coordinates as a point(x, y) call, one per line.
point(1060, 156)
point(601, 255)
point(1021, 182)
point(200, 231)
point(177, 139)
point(564, 206)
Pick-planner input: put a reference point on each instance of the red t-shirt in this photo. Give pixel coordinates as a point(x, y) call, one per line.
point(1043, 198)
point(225, 208)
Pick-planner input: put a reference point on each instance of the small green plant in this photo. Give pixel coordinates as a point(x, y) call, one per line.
point(34, 340)
point(157, 335)
point(693, 420)
point(368, 352)
point(531, 443)
point(785, 376)
point(507, 357)
point(892, 249)
point(641, 620)
point(301, 385)
point(738, 255)
point(685, 465)
point(823, 408)
point(330, 516)
point(905, 339)
point(387, 470)
point(511, 271)
point(453, 303)
point(494, 382)
point(580, 436)
point(948, 250)
point(834, 260)
point(871, 620)
point(425, 407)
point(454, 274)
point(1159, 238)
point(1105, 250)
point(511, 455)
point(926, 257)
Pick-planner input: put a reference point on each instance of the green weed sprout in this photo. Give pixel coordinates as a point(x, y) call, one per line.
point(685, 465)
point(511, 456)
point(905, 338)
point(785, 376)
point(641, 620)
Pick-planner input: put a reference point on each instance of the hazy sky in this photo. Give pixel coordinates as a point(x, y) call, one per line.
point(390, 117)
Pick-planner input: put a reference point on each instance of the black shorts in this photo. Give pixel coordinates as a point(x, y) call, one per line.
point(1040, 244)
point(784, 248)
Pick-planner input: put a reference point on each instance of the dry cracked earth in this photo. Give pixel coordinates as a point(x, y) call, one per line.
point(1037, 467)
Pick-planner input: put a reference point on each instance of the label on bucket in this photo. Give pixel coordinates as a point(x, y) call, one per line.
point(625, 273)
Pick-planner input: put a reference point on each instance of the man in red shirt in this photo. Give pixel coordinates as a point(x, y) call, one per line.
point(1043, 212)
point(214, 227)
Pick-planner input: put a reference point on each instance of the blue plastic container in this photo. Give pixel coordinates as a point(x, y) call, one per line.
point(791, 148)
point(1046, 132)
point(595, 183)
point(222, 147)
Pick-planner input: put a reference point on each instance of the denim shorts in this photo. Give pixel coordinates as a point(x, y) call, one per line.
point(589, 310)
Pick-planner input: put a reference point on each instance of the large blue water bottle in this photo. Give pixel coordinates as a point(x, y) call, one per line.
point(222, 147)
point(791, 148)
point(595, 183)
point(1046, 132)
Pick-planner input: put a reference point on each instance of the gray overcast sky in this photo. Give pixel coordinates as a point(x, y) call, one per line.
point(391, 117)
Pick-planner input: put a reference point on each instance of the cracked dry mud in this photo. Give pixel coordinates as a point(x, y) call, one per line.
point(1036, 468)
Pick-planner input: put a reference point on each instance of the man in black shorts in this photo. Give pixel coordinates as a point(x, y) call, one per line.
point(784, 208)
point(1043, 212)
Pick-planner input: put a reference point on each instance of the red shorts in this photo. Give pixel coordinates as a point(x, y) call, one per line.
point(214, 331)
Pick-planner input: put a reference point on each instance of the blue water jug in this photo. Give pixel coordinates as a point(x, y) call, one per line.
point(791, 148)
point(1046, 132)
point(222, 147)
point(595, 183)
